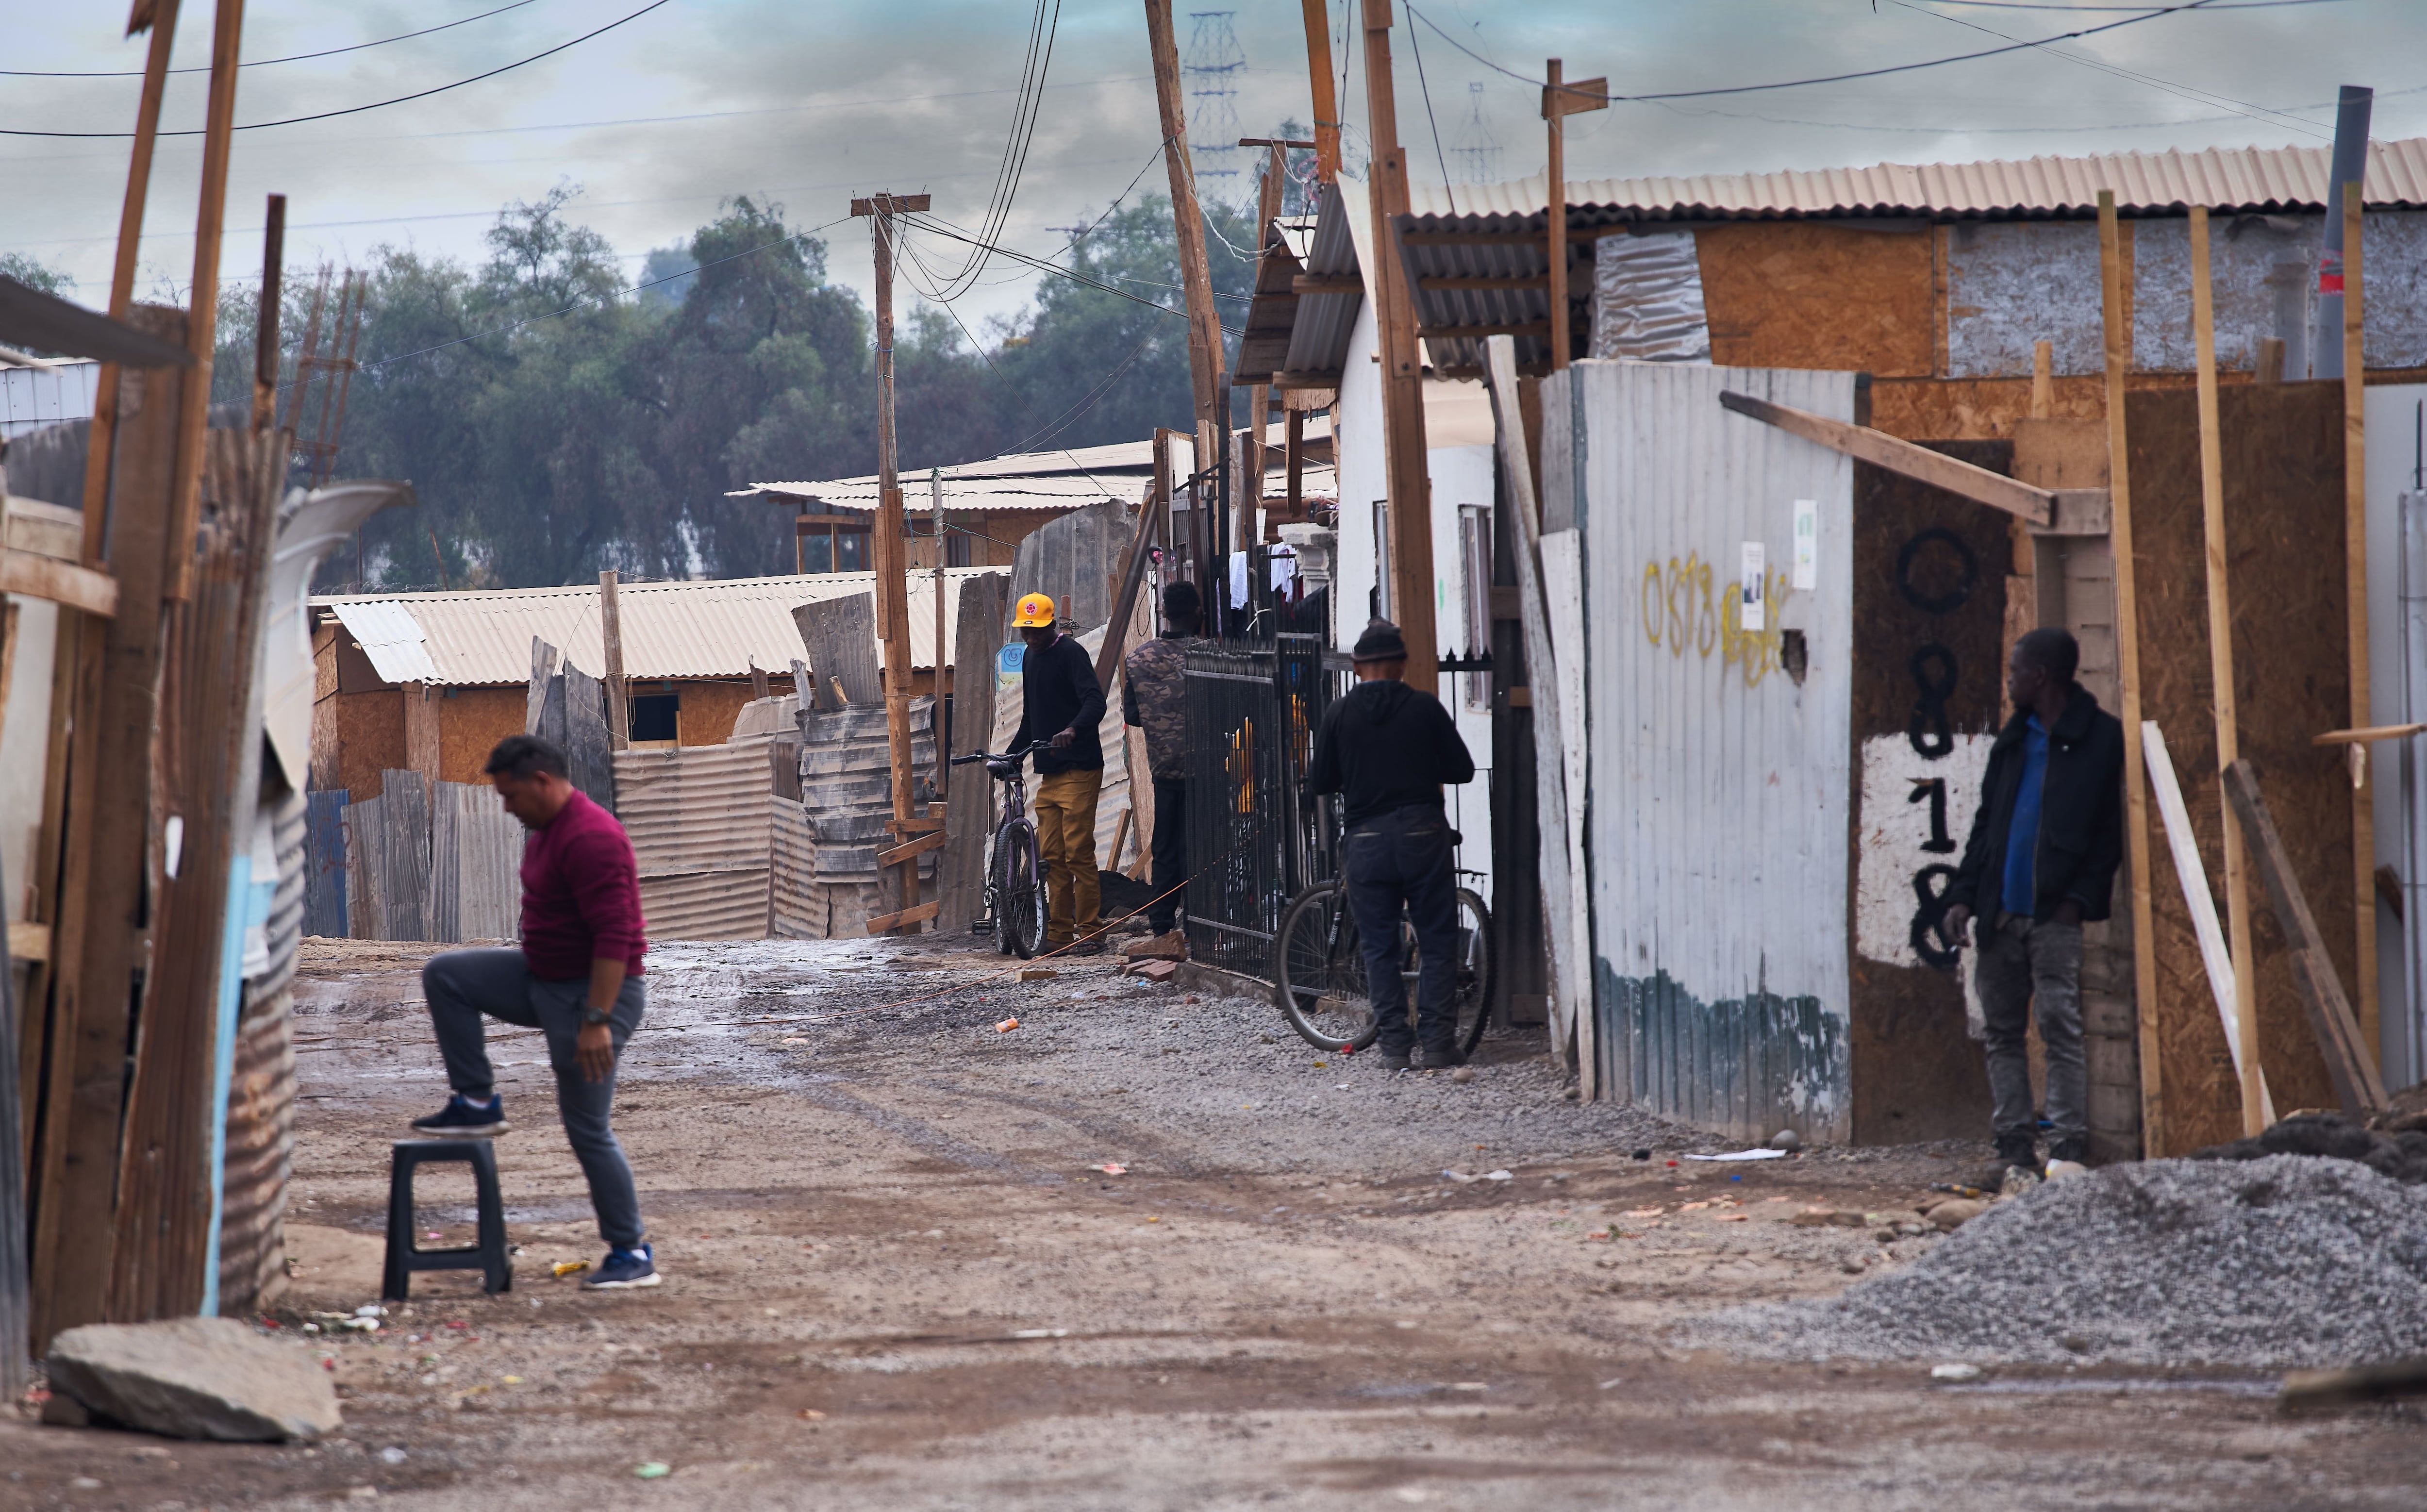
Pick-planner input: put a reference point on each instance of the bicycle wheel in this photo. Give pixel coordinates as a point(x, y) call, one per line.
point(1020, 891)
point(1319, 971)
point(1471, 989)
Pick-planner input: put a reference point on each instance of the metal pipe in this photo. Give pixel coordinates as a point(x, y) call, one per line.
point(2349, 166)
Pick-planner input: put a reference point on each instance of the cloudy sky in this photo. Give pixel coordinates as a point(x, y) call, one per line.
point(658, 119)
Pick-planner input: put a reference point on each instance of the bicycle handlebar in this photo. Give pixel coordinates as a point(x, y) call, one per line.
point(998, 756)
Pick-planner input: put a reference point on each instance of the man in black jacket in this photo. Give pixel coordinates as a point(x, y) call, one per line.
point(1061, 705)
point(2041, 862)
point(1387, 749)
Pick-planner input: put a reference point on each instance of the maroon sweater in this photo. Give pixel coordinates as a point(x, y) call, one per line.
point(581, 894)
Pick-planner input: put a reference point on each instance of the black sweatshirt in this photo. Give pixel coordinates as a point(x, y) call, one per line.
point(1385, 746)
point(1059, 692)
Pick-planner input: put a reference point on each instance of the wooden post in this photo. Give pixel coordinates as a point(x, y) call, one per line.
point(121, 279)
point(2271, 361)
point(1403, 395)
point(1327, 103)
point(1260, 396)
point(2220, 655)
point(892, 560)
point(219, 122)
point(2118, 334)
point(110, 849)
point(936, 689)
point(1294, 465)
point(619, 690)
point(2355, 569)
point(1561, 100)
point(265, 343)
point(1205, 354)
point(2043, 380)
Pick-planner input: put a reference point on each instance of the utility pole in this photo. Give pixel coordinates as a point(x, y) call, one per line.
point(1327, 104)
point(264, 349)
point(1403, 393)
point(893, 589)
point(218, 125)
point(943, 647)
point(1205, 354)
point(1559, 101)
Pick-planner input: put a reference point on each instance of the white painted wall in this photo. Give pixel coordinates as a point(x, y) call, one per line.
point(2394, 420)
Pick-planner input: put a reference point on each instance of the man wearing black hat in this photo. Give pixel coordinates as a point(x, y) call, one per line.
point(1387, 749)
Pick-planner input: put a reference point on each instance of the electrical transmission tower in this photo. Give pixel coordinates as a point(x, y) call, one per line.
point(1214, 61)
point(1477, 150)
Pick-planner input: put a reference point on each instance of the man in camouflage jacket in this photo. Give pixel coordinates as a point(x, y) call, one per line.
point(1154, 699)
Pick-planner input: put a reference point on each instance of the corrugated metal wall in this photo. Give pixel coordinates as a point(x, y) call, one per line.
point(476, 862)
point(1716, 786)
point(261, 1092)
point(698, 820)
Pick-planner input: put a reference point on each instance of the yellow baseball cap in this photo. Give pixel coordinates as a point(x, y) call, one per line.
point(1034, 611)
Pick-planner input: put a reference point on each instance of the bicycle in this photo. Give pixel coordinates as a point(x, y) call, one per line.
point(1319, 970)
point(1015, 875)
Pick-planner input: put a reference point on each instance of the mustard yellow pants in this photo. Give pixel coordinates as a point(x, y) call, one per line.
point(1066, 835)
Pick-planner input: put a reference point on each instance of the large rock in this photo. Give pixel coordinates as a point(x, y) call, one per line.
point(194, 1378)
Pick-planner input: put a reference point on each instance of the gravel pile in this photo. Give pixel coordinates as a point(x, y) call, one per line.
point(2288, 1260)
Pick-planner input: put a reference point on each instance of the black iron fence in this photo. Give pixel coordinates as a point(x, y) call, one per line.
point(1255, 703)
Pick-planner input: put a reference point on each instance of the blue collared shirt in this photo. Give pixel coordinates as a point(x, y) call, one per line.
point(2023, 835)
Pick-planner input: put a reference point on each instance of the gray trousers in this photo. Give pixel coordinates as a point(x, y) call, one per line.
point(462, 985)
point(2023, 968)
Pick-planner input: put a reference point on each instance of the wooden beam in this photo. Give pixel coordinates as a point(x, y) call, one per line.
point(30, 576)
point(1560, 100)
point(1108, 658)
point(891, 551)
point(202, 307)
point(887, 924)
point(2363, 799)
point(2220, 657)
point(1407, 461)
point(1317, 16)
point(28, 942)
point(889, 205)
point(2116, 317)
point(2036, 506)
point(1306, 378)
point(1205, 351)
point(910, 850)
point(2347, 1059)
point(839, 522)
point(619, 688)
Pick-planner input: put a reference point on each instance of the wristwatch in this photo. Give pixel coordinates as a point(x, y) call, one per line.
point(595, 1016)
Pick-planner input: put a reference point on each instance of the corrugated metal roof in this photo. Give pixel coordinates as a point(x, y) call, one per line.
point(2239, 178)
point(681, 629)
point(1060, 492)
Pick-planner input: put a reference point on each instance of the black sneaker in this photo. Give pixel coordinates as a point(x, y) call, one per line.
point(463, 1119)
point(1392, 1060)
point(2076, 1150)
point(624, 1270)
point(1441, 1058)
point(2014, 1152)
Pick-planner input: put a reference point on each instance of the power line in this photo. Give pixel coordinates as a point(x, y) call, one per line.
point(1424, 90)
point(930, 224)
point(1041, 32)
point(377, 105)
point(1844, 78)
point(1992, 131)
point(259, 62)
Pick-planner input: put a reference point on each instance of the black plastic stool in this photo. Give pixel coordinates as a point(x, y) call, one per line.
point(487, 1256)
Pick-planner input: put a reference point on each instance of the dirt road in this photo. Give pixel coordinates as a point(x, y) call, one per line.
point(898, 1277)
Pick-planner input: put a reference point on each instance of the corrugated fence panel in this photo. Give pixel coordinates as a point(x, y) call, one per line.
point(798, 904)
point(478, 847)
point(366, 825)
point(698, 818)
point(405, 880)
point(261, 1089)
point(324, 866)
point(1718, 786)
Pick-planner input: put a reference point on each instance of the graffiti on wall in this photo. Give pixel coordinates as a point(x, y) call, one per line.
point(1687, 609)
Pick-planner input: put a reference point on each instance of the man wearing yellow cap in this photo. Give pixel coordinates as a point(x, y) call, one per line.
point(1061, 705)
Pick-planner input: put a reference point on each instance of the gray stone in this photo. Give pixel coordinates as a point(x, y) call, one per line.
point(1787, 1139)
point(194, 1378)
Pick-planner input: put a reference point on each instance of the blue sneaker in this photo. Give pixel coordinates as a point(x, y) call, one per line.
point(622, 1270)
point(463, 1119)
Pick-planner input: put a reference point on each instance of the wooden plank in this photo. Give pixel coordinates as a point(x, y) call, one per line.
point(2363, 797)
point(1306, 380)
point(1108, 658)
point(30, 576)
point(885, 923)
point(915, 826)
point(1317, 16)
point(2079, 511)
point(2036, 506)
point(28, 942)
point(535, 693)
point(911, 849)
point(2375, 732)
point(2116, 319)
point(889, 205)
point(2348, 1062)
point(2215, 955)
point(203, 294)
point(841, 522)
point(2247, 1060)
point(619, 688)
point(839, 635)
point(977, 635)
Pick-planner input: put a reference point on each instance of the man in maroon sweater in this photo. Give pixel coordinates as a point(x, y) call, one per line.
point(577, 979)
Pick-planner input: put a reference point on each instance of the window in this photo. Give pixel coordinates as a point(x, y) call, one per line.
point(957, 547)
point(1381, 600)
point(655, 719)
point(817, 553)
point(851, 551)
point(1475, 564)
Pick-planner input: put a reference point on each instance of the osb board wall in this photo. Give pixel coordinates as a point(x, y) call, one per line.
point(369, 730)
point(2283, 453)
point(708, 710)
point(471, 722)
point(1929, 616)
point(1791, 294)
point(326, 752)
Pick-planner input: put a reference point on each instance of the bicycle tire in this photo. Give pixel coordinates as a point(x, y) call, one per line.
point(1319, 971)
point(1022, 928)
point(1471, 989)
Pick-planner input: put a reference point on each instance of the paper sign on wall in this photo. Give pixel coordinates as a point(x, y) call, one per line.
point(1752, 601)
point(1807, 545)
